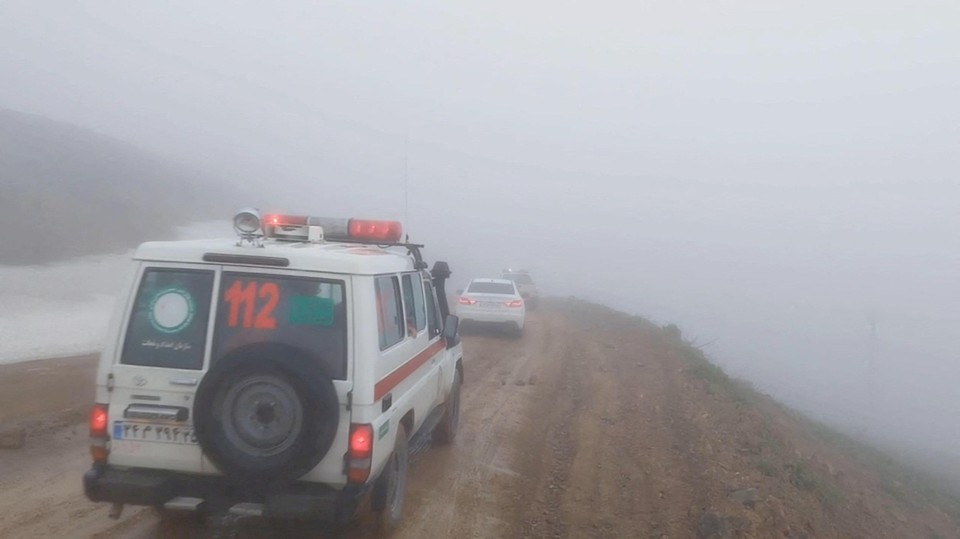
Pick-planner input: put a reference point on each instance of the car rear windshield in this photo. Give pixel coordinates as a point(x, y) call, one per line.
point(168, 324)
point(519, 278)
point(479, 287)
point(304, 313)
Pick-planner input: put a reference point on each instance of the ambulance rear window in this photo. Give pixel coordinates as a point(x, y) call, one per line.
point(168, 323)
point(304, 313)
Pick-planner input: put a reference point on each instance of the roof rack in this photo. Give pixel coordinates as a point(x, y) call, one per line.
point(413, 249)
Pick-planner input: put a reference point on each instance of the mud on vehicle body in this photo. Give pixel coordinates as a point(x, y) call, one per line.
point(280, 375)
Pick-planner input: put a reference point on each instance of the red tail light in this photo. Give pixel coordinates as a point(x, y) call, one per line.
point(368, 229)
point(514, 303)
point(361, 441)
point(360, 454)
point(98, 433)
point(467, 301)
point(98, 421)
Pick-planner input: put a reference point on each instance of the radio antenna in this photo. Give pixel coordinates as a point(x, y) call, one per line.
point(406, 181)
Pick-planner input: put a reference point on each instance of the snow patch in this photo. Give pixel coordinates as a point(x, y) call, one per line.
point(63, 309)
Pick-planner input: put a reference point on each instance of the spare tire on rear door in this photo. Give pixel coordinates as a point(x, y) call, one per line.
point(266, 413)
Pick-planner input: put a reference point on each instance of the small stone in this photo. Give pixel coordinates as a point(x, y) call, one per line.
point(747, 496)
point(12, 437)
point(710, 526)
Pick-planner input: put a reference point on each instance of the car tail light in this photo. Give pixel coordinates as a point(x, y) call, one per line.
point(98, 433)
point(467, 301)
point(514, 303)
point(360, 454)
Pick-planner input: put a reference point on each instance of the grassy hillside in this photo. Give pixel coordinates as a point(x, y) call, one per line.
point(66, 191)
point(785, 475)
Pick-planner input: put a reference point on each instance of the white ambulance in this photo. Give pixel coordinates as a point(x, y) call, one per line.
point(282, 373)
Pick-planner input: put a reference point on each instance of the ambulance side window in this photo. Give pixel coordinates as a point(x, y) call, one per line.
point(433, 316)
point(389, 311)
point(413, 303)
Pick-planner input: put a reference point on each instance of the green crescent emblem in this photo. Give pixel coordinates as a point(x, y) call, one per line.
point(171, 310)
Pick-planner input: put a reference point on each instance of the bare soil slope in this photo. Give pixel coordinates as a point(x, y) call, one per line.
point(593, 424)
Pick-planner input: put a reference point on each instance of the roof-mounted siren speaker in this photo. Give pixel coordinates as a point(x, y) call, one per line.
point(247, 225)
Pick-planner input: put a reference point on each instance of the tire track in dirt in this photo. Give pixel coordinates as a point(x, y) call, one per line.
point(619, 439)
point(467, 490)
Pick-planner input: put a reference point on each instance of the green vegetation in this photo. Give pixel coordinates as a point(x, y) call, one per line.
point(768, 469)
point(904, 484)
point(801, 476)
point(718, 382)
point(805, 478)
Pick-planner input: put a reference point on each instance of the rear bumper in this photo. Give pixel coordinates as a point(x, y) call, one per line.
point(156, 487)
point(514, 316)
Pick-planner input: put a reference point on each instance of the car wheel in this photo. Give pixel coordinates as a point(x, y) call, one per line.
point(446, 430)
point(266, 415)
point(391, 487)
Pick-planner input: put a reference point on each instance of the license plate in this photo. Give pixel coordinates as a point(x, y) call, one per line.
point(152, 432)
point(490, 304)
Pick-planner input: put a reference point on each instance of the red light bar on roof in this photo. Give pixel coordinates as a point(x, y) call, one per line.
point(275, 219)
point(297, 228)
point(367, 229)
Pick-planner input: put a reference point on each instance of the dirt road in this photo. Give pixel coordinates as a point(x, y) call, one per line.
point(584, 427)
point(538, 453)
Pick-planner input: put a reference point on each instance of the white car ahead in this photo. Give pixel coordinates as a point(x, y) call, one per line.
point(492, 301)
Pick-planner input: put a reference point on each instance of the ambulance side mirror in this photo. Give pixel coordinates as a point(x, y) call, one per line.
point(451, 330)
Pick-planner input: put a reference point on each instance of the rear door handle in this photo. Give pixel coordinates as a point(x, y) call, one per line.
point(387, 402)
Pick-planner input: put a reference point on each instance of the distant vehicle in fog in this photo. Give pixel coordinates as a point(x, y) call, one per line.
point(492, 302)
point(528, 289)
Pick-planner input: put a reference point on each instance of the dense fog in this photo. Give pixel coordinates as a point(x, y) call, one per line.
point(779, 180)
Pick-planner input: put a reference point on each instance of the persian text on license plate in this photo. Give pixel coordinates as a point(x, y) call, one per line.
point(491, 304)
point(151, 432)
